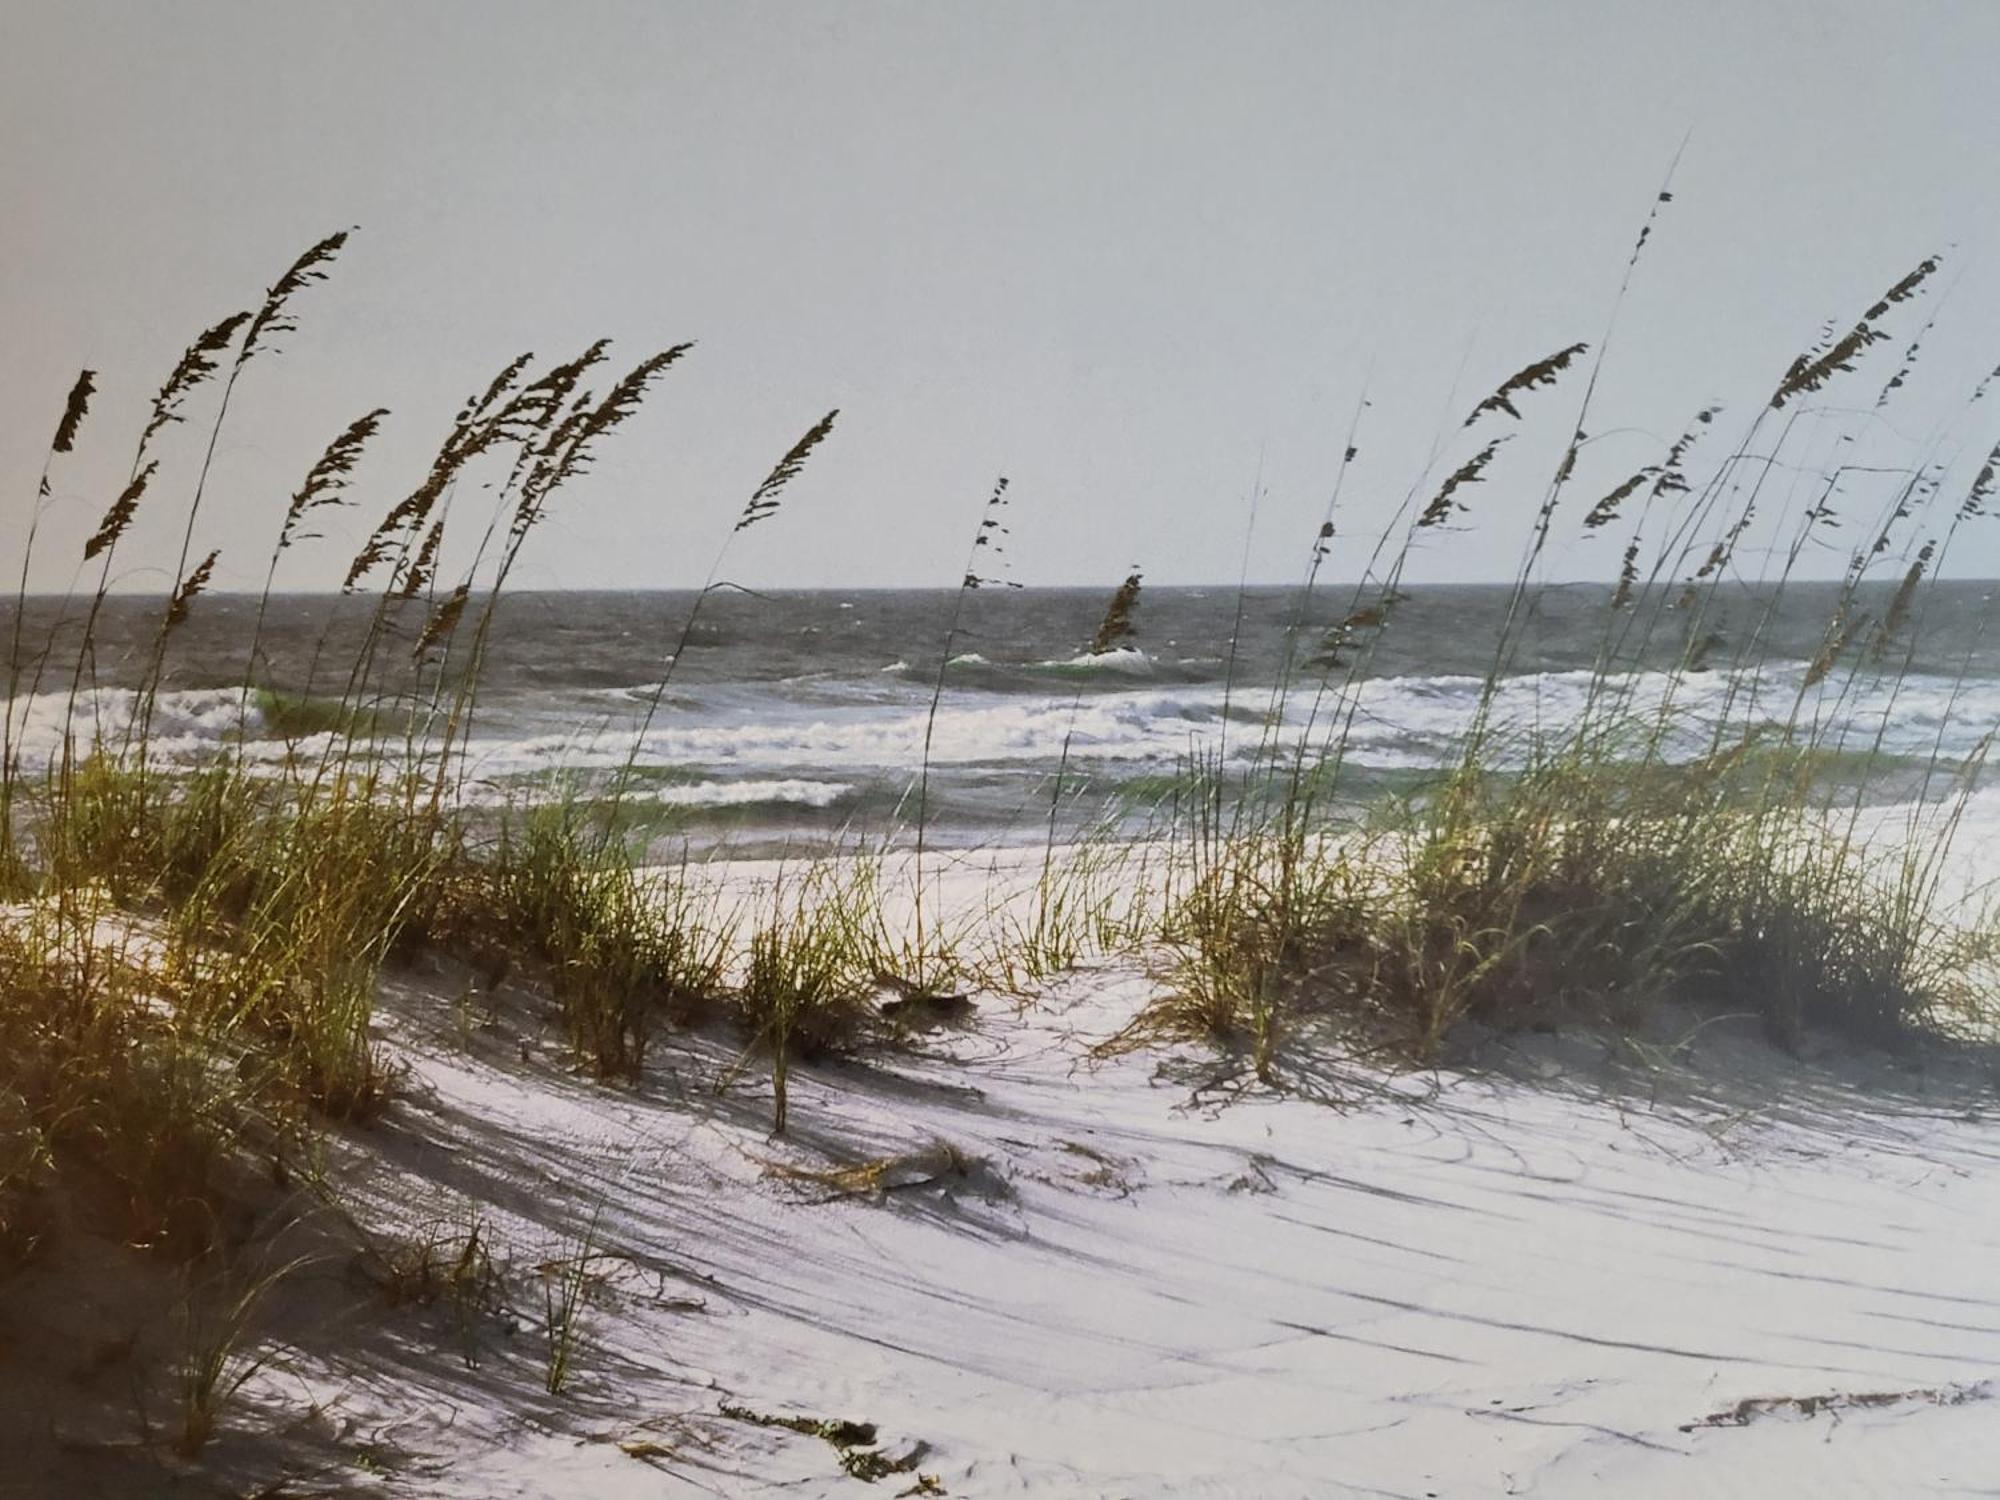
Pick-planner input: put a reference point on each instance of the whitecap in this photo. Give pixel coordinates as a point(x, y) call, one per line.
point(802, 793)
point(1126, 659)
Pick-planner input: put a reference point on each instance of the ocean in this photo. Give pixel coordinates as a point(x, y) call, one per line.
point(804, 716)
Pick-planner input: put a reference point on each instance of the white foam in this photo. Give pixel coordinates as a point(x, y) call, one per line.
point(1396, 723)
point(751, 793)
point(1127, 659)
point(1388, 723)
point(185, 724)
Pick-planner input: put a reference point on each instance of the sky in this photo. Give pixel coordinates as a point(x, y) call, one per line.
point(1144, 259)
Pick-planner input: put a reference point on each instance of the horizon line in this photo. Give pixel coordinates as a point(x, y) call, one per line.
point(1259, 585)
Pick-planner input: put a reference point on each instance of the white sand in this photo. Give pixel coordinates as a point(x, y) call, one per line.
point(1539, 1279)
point(1433, 1286)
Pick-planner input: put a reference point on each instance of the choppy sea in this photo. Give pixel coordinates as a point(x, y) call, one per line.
point(807, 713)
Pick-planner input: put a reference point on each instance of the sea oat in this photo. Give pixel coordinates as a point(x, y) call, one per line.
point(569, 451)
point(273, 318)
point(1906, 592)
point(197, 363)
point(328, 475)
point(1442, 504)
point(1541, 372)
point(764, 502)
point(1117, 625)
point(1811, 370)
point(119, 516)
point(991, 535)
point(1628, 576)
point(73, 411)
point(474, 431)
point(190, 587)
point(1606, 510)
point(443, 620)
point(1839, 632)
point(1974, 503)
point(425, 567)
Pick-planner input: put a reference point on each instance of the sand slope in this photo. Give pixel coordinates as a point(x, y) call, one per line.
point(1117, 1283)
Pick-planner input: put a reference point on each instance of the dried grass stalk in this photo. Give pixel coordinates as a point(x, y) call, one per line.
point(119, 516)
point(189, 589)
point(425, 567)
point(1605, 511)
point(73, 411)
point(1470, 472)
point(1906, 594)
point(1117, 623)
point(1628, 576)
point(568, 450)
point(764, 502)
point(991, 535)
point(477, 429)
point(198, 362)
point(328, 476)
point(1813, 369)
point(1974, 503)
point(443, 620)
point(1840, 631)
point(273, 318)
point(1541, 372)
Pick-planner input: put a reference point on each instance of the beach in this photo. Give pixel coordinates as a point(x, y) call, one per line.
point(1031, 1264)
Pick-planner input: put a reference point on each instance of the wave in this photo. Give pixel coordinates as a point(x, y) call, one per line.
point(1119, 726)
point(755, 745)
point(185, 724)
point(643, 694)
point(794, 792)
point(1399, 723)
point(1125, 660)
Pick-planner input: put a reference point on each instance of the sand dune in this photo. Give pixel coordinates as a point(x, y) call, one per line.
point(1073, 1276)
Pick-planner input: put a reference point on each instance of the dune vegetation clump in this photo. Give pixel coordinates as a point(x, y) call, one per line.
point(1580, 872)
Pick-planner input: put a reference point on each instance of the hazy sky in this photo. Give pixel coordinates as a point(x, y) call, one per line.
point(1139, 257)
